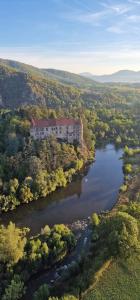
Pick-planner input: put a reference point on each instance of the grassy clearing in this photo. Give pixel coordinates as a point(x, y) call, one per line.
point(120, 282)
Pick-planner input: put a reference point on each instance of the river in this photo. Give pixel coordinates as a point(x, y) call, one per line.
point(96, 191)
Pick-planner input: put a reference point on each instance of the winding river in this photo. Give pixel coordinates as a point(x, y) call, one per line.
point(96, 191)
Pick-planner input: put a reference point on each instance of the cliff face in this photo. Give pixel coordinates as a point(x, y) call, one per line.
point(14, 89)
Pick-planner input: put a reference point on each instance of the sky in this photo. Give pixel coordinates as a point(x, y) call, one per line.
point(97, 36)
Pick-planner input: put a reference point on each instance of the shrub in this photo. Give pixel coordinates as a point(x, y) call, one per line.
point(12, 243)
point(128, 168)
point(15, 289)
point(123, 188)
point(42, 293)
point(124, 236)
point(95, 220)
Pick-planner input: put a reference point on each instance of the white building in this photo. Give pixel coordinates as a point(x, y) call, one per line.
point(68, 130)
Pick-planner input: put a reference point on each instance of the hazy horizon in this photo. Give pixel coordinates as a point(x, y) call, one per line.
point(100, 37)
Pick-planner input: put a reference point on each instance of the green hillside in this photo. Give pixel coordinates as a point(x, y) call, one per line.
point(72, 79)
point(61, 76)
point(18, 88)
point(22, 84)
point(21, 67)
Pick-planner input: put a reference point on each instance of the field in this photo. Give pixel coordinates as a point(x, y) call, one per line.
point(120, 282)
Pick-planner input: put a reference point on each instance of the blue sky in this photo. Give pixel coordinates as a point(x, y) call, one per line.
point(98, 36)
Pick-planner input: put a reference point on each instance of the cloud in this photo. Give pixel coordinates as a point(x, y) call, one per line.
point(134, 18)
point(106, 16)
point(92, 18)
point(137, 2)
point(117, 9)
point(116, 29)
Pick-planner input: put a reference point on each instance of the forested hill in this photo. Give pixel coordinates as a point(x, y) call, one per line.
point(22, 84)
point(72, 79)
point(20, 87)
point(21, 67)
point(59, 75)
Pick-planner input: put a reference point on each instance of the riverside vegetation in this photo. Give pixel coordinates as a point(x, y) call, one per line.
point(31, 169)
point(121, 279)
point(111, 268)
point(115, 235)
point(27, 256)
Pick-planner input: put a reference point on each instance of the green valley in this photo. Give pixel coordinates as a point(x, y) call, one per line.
point(60, 181)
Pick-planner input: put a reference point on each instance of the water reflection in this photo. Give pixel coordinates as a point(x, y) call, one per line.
point(96, 191)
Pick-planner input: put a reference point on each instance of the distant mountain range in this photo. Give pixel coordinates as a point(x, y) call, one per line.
point(124, 76)
point(22, 84)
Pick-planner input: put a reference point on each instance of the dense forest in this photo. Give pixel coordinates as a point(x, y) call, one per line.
point(31, 170)
point(22, 84)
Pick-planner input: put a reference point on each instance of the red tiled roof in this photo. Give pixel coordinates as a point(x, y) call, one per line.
point(54, 122)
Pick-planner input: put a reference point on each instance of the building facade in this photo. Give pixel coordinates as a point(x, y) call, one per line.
point(69, 130)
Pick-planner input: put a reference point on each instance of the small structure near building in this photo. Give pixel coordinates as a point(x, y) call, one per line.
point(69, 130)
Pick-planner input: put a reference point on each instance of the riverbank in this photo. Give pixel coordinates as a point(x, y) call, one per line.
point(62, 270)
point(104, 158)
point(80, 227)
point(131, 180)
point(93, 192)
point(53, 277)
point(84, 264)
point(121, 279)
point(104, 278)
